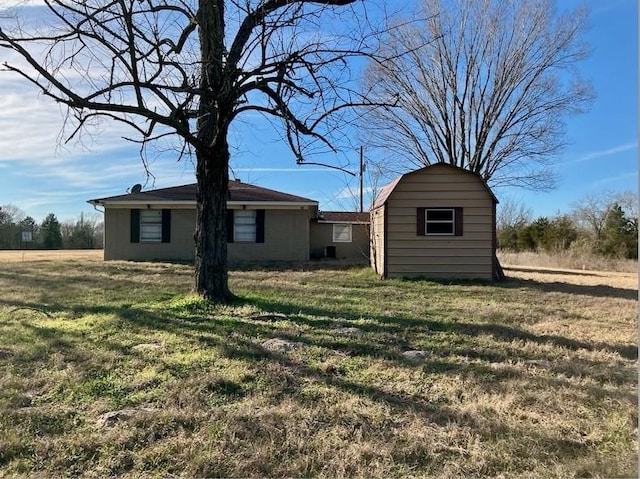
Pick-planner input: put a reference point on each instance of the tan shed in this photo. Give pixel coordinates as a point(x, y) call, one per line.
point(436, 222)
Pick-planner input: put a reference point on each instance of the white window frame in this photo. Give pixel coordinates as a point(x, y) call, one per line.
point(428, 222)
point(245, 226)
point(342, 232)
point(150, 226)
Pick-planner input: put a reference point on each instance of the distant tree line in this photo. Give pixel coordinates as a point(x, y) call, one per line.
point(18, 231)
point(605, 225)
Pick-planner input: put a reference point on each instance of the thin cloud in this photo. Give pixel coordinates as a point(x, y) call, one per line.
point(630, 175)
point(594, 155)
point(282, 170)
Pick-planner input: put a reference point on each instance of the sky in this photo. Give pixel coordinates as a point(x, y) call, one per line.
point(41, 174)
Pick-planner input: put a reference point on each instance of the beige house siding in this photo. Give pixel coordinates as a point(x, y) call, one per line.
point(408, 254)
point(357, 249)
point(117, 244)
point(286, 238)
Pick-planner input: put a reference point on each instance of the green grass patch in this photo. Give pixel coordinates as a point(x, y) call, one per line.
point(116, 369)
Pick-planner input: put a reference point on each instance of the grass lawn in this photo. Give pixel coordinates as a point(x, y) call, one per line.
point(115, 369)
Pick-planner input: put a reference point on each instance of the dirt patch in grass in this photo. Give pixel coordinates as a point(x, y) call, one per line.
point(115, 369)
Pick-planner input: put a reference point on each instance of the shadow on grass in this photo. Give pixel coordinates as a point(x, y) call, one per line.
point(394, 324)
point(595, 291)
point(385, 337)
point(239, 338)
point(552, 271)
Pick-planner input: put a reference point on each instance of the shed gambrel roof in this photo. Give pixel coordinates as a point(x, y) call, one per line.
point(386, 190)
point(238, 193)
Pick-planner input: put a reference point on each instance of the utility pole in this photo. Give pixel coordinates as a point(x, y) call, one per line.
point(361, 177)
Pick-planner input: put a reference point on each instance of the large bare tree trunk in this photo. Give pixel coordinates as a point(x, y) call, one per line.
point(212, 170)
point(211, 268)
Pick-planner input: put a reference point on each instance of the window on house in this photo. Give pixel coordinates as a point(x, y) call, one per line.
point(150, 226)
point(244, 226)
point(439, 221)
point(342, 233)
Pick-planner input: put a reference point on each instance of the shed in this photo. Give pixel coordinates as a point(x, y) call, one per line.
point(436, 222)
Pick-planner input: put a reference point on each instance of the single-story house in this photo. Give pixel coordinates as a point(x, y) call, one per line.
point(262, 225)
point(436, 222)
point(340, 234)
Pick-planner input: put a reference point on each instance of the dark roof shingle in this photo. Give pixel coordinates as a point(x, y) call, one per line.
point(344, 217)
point(238, 191)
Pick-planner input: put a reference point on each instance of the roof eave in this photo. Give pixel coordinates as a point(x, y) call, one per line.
point(101, 202)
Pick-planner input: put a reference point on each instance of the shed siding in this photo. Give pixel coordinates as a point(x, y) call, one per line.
point(466, 256)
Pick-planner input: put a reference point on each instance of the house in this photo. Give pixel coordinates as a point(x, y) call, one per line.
point(262, 225)
point(436, 222)
point(340, 234)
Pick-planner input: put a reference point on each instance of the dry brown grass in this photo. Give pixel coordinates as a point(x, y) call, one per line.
point(533, 377)
point(12, 256)
point(575, 260)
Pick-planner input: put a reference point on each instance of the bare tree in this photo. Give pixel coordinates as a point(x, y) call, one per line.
point(187, 69)
point(485, 87)
point(591, 211)
point(511, 212)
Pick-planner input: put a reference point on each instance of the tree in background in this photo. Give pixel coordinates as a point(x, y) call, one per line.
point(29, 227)
point(610, 221)
point(10, 217)
point(86, 232)
point(605, 224)
point(485, 86)
point(187, 69)
point(50, 236)
point(512, 217)
point(559, 234)
point(619, 236)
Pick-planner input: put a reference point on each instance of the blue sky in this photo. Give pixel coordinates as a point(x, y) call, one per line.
point(40, 175)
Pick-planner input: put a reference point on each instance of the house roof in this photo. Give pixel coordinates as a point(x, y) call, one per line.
point(353, 217)
point(386, 190)
point(238, 193)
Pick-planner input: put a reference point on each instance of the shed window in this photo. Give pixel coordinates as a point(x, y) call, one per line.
point(439, 221)
point(342, 233)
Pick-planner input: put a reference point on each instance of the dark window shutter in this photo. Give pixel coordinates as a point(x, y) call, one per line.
point(135, 226)
point(229, 226)
point(458, 220)
point(420, 219)
point(166, 226)
point(260, 226)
